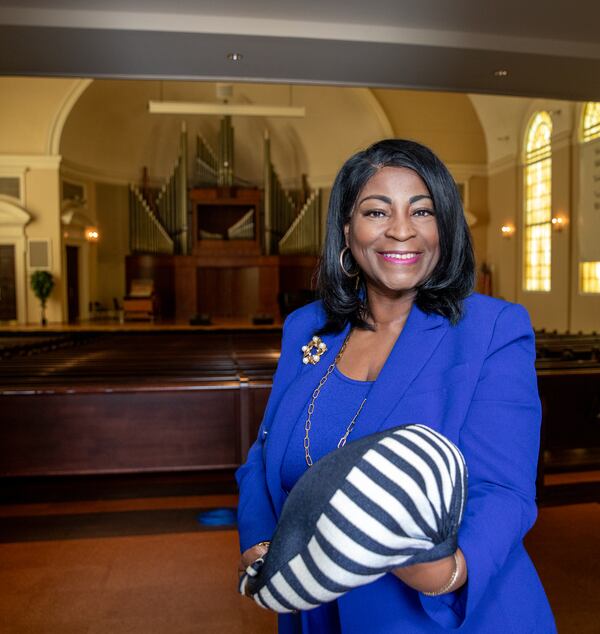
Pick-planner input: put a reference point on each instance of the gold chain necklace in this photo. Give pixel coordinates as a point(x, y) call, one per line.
point(311, 408)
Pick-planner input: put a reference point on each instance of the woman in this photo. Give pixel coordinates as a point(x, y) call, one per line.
point(408, 342)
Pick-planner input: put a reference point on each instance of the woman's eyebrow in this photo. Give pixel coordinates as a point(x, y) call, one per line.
point(381, 197)
point(414, 199)
point(388, 200)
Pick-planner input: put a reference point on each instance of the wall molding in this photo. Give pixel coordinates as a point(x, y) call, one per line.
point(70, 170)
point(30, 161)
point(502, 164)
point(464, 171)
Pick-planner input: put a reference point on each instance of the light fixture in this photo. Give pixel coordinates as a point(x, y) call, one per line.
point(501, 72)
point(235, 57)
point(91, 234)
point(507, 231)
point(559, 223)
point(222, 109)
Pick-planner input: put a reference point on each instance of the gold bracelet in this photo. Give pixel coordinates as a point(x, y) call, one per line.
point(265, 544)
point(448, 585)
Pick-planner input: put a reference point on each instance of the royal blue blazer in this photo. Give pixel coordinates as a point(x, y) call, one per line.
point(475, 382)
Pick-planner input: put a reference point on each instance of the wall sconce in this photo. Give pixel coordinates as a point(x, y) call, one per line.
point(91, 234)
point(507, 231)
point(559, 223)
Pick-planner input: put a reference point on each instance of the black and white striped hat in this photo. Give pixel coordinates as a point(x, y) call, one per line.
point(388, 500)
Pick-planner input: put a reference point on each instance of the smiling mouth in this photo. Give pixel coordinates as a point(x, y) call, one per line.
point(399, 257)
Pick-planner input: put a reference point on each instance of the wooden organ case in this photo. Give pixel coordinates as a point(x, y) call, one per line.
point(224, 247)
point(232, 278)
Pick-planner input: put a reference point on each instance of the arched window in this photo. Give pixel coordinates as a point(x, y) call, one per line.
point(589, 267)
point(590, 121)
point(538, 204)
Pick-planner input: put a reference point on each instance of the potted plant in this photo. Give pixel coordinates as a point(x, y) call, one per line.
point(42, 284)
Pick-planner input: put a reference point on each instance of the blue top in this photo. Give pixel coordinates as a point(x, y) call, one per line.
point(339, 400)
point(336, 405)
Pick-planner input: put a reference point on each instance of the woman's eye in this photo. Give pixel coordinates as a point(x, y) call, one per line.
point(375, 213)
point(423, 212)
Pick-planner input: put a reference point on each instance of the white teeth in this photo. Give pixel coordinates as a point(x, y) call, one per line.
point(400, 256)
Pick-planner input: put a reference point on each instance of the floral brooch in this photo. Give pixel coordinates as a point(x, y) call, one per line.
point(313, 351)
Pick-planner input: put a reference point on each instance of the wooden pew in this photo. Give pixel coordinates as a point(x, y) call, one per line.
point(192, 402)
point(140, 403)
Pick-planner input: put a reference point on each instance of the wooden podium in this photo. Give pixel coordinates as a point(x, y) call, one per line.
point(142, 302)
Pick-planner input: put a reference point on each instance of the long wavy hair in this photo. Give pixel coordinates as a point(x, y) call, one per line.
point(453, 278)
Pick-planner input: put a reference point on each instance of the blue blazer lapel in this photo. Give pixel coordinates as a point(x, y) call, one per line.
point(291, 405)
point(417, 342)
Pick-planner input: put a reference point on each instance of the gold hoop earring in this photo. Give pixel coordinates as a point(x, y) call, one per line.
point(342, 253)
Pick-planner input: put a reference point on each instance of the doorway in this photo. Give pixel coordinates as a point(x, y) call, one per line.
point(72, 283)
point(8, 290)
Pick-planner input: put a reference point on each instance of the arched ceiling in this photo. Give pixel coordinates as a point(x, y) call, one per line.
point(446, 122)
point(110, 132)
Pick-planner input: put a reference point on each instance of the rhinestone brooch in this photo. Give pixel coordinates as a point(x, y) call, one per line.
point(313, 351)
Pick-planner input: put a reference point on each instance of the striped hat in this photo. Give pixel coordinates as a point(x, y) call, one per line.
point(388, 500)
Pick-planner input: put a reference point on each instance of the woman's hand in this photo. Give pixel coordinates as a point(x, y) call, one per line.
point(251, 555)
point(435, 575)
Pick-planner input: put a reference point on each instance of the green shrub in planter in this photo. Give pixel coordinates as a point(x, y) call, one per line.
point(42, 284)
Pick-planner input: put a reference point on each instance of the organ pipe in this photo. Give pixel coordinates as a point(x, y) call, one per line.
point(146, 232)
point(182, 195)
point(304, 234)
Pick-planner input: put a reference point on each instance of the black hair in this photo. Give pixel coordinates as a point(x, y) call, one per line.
point(453, 278)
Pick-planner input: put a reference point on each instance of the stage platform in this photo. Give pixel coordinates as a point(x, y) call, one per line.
point(110, 325)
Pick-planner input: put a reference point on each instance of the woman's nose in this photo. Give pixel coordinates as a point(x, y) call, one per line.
point(401, 227)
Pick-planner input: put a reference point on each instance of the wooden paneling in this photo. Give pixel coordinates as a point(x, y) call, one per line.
point(186, 292)
point(238, 291)
point(119, 432)
point(160, 269)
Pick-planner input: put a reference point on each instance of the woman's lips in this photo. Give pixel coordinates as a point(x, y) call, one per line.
point(400, 257)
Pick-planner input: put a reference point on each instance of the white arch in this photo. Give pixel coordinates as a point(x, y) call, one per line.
point(70, 99)
point(372, 102)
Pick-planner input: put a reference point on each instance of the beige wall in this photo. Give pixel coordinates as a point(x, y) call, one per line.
point(445, 122)
point(502, 252)
point(28, 109)
point(42, 194)
point(113, 224)
point(585, 308)
point(478, 206)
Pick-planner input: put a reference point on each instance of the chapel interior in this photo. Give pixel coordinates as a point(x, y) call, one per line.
point(180, 217)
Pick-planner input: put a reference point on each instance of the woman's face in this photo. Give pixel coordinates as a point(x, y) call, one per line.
point(393, 233)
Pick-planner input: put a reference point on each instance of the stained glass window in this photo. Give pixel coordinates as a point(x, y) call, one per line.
point(538, 204)
point(589, 272)
point(589, 277)
point(591, 121)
